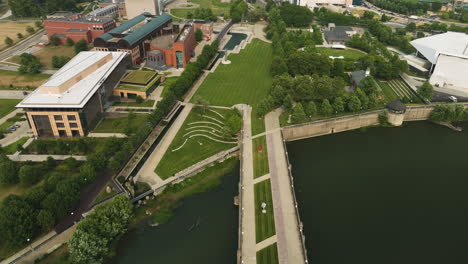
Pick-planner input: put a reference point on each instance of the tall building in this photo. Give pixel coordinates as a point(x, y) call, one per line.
point(120, 4)
point(70, 102)
point(136, 7)
point(70, 25)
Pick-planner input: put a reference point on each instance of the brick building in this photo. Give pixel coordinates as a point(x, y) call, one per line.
point(172, 50)
point(120, 5)
point(132, 35)
point(69, 25)
point(70, 103)
point(204, 25)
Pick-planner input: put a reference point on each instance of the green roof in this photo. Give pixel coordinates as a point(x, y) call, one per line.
point(143, 31)
point(126, 26)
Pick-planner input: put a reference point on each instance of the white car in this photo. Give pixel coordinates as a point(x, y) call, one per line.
point(453, 99)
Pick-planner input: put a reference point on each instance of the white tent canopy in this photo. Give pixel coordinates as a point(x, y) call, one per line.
point(453, 43)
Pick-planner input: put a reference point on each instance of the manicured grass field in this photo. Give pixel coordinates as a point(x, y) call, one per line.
point(21, 81)
point(346, 53)
point(215, 5)
point(147, 103)
point(11, 149)
point(117, 125)
point(260, 158)
point(264, 223)
point(7, 106)
point(268, 255)
point(194, 150)
point(258, 123)
point(141, 77)
point(400, 90)
point(45, 55)
point(389, 94)
point(246, 80)
point(10, 29)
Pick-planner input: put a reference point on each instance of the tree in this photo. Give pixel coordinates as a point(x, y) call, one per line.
point(71, 163)
point(298, 114)
point(326, 109)
point(287, 103)
point(50, 162)
point(411, 27)
point(54, 41)
point(420, 34)
point(363, 98)
point(20, 36)
point(426, 91)
point(8, 41)
point(38, 24)
point(30, 30)
point(69, 42)
point(233, 124)
point(45, 219)
point(28, 175)
point(8, 172)
point(310, 109)
point(368, 15)
point(17, 221)
point(80, 46)
point(278, 66)
point(384, 18)
point(60, 61)
point(29, 63)
point(295, 15)
point(338, 105)
point(138, 99)
point(354, 104)
point(198, 35)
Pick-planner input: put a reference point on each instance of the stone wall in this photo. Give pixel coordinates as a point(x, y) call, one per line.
point(330, 126)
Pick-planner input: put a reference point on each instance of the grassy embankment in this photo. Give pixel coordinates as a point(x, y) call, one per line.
point(346, 53)
point(118, 125)
point(260, 156)
point(268, 255)
point(264, 222)
point(247, 80)
point(7, 106)
point(147, 103)
point(215, 5)
point(45, 55)
point(184, 151)
point(13, 147)
point(13, 80)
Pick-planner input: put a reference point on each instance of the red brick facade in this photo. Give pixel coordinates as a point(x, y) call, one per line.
point(185, 46)
point(78, 29)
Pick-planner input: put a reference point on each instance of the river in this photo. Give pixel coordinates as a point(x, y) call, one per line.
point(212, 241)
point(384, 195)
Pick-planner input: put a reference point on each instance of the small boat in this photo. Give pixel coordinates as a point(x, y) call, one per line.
point(194, 225)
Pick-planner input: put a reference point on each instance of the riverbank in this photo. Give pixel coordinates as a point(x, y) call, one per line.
point(159, 209)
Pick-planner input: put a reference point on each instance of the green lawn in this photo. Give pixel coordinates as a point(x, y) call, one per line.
point(268, 255)
point(246, 80)
point(11, 121)
point(141, 77)
point(7, 106)
point(147, 103)
point(347, 53)
point(117, 125)
point(264, 223)
point(260, 158)
point(13, 80)
point(258, 123)
point(388, 93)
point(11, 149)
point(215, 5)
point(180, 156)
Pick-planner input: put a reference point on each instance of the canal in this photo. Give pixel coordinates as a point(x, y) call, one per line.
point(384, 195)
point(202, 230)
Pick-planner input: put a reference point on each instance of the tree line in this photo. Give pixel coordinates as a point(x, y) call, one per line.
point(40, 8)
point(407, 7)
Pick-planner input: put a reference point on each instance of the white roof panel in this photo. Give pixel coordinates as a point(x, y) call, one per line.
point(78, 94)
point(451, 43)
point(451, 72)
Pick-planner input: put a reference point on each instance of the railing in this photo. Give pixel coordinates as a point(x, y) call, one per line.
point(224, 31)
point(239, 231)
point(296, 207)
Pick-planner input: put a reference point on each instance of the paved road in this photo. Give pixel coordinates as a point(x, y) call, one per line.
point(12, 94)
point(15, 68)
point(22, 45)
point(286, 223)
point(39, 158)
point(7, 14)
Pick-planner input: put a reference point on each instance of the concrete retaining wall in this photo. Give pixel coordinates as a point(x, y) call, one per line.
point(330, 126)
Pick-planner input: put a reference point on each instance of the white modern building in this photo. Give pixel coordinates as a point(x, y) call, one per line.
point(315, 3)
point(137, 7)
point(447, 54)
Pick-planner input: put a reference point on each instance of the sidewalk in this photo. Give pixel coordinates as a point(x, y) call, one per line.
point(286, 223)
point(40, 157)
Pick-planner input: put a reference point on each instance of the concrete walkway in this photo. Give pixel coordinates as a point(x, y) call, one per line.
point(105, 135)
point(12, 137)
point(286, 223)
point(10, 115)
point(13, 94)
point(248, 241)
point(146, 173)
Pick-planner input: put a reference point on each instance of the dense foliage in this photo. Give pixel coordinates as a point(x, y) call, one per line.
point(38, 8)
point(29, 64)
point(238, 10)
point(92, 239)
point(202, 13)
point(449, 113)
point(426, 91)
point(59, 61)
point(295, 15)
point(405, 7)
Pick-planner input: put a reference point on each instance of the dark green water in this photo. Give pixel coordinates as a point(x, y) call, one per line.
point(213, 241)
point(384, 196)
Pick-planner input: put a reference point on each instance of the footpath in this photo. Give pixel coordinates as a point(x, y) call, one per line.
point(288, 231)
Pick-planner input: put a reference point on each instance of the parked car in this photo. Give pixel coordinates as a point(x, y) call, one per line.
point(25, 93)
point(17, 126)
point(12, 128)
point(453, 99)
